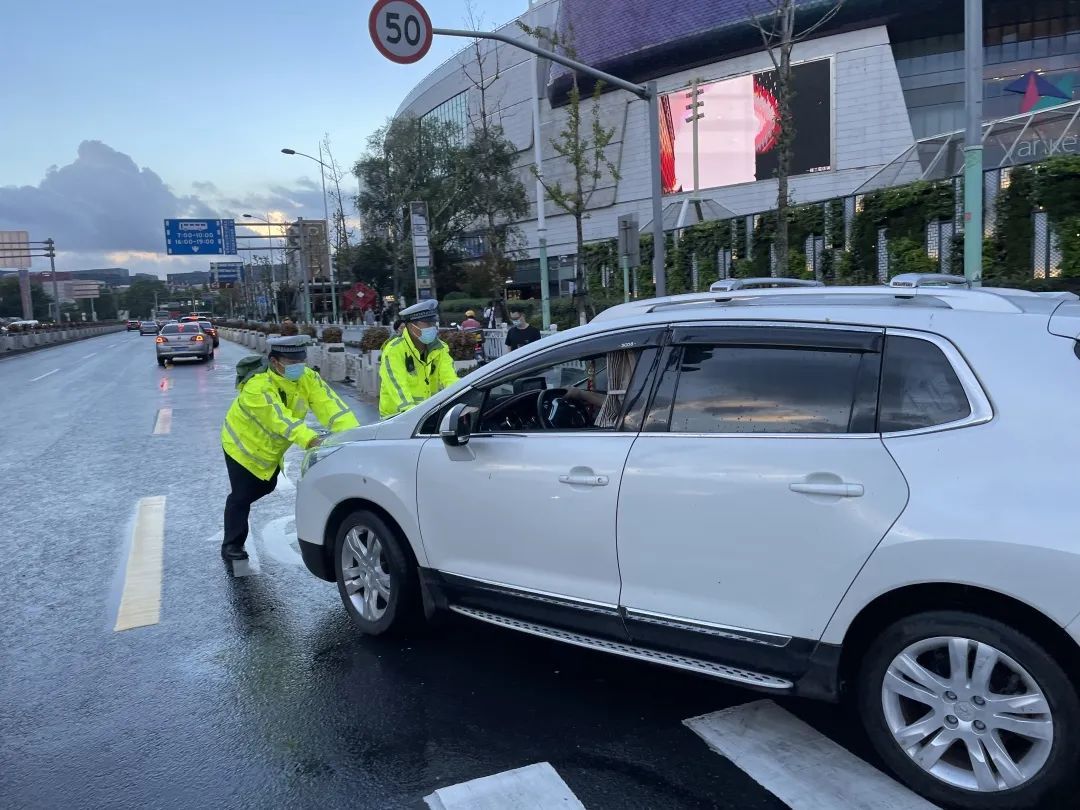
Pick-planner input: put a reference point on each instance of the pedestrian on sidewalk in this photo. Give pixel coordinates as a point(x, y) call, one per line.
point(274, 395)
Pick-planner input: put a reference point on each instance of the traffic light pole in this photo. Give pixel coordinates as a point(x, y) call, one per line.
point(644, 92)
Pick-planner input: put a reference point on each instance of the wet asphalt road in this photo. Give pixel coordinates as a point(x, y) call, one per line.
point(255, 691)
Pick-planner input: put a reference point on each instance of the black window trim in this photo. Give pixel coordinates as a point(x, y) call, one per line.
point(982, 410)
point(863, 337)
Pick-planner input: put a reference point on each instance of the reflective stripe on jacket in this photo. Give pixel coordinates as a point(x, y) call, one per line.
point(406, 379)
point(268, 415)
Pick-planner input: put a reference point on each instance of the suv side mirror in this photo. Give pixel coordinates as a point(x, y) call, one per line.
point(456, 426)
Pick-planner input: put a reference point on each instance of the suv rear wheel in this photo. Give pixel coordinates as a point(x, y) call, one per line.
point(375, 576)
point(970, 712)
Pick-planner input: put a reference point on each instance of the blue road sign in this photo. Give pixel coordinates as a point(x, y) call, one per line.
point(227, 272)
point(195, 237)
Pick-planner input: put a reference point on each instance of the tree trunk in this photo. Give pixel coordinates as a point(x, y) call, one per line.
point(783, 169)
point(579, 272)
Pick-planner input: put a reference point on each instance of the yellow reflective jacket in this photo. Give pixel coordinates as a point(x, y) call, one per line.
point(406, 379)
point(268, 415)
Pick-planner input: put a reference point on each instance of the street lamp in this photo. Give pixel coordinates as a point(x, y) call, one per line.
point(326, 214)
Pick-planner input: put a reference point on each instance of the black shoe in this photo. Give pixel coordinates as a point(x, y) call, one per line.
point(231, 551)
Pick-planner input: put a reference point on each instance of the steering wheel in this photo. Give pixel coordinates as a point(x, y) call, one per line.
point(558, 413)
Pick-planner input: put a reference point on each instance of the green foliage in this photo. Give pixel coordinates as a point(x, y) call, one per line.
point(331, 334)
point(462, 345)
point(373, 338)
point(908, 256)
point(905, 212)
point(11, 302)
point(1012, 244)
point(138, 299)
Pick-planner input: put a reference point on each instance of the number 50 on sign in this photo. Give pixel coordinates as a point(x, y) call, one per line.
point(401, 30)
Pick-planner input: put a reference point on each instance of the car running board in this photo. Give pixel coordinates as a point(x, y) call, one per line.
point(744, 677)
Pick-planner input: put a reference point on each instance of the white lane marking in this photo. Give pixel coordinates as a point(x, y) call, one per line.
point(534, 787)
point(46, 374)
point(87, 357)
point(797, 764)
point(140, 604)
point(163, 423)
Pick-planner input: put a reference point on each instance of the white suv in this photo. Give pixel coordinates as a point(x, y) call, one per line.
point(838, 493)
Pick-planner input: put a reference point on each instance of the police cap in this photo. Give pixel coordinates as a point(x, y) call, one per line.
point(424, 311)
point(293, 347)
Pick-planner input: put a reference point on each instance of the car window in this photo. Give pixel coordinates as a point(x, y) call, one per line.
point(919, 387)
point(772, 389)
point(170, 329)
point(599, 381)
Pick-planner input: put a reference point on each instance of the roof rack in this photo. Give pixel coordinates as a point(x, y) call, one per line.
point(728, 284)
point(929, 280)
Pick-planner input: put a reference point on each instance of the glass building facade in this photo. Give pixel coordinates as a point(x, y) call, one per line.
point(1035, 36)
point(454, 110)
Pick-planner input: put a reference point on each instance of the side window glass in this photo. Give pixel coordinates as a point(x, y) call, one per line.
point(581, 393)
point(919, 388)
point(752, 389)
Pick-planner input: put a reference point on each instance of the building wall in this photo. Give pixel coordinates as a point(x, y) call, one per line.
point(870, 126)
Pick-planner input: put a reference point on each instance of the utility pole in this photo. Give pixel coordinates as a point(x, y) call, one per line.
point(326, 219)
point(50, 251)
point(541, 224)
point(973, 149)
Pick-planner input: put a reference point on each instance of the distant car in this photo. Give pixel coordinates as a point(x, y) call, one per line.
point(148, 328)
point(183, 340)
point(211, 331)
point(132, 326)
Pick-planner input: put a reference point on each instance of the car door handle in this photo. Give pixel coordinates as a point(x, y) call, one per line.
point(841, 490)
point(584, 480)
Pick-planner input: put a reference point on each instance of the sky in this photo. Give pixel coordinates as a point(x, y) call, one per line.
point(116, 114)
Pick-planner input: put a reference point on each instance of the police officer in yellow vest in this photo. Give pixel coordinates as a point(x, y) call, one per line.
point(416, 364)
point(267, 416)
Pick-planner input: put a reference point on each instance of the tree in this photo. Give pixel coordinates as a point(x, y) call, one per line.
point(138, 300)
point(780, 36)
point(584, 148)
point(498, 192)
point(407, 160)
point(11, 300)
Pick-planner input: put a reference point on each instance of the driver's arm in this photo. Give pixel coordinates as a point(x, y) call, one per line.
point(592, 398)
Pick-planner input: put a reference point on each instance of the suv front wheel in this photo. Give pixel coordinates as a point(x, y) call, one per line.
point(970, 712)
point(375, 576)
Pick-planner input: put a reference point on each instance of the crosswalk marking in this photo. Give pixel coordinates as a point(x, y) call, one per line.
point(163, 423)
point(140, 603)
point(534, 787)
point(797, 764)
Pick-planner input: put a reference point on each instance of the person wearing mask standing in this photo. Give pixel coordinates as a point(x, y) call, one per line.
point(274, 395)
point(521, 332)
point(415, 364)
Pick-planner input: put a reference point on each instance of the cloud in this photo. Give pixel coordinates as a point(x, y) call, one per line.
point(104, 210)
point(102, 201)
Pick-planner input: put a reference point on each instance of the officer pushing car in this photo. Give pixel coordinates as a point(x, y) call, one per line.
point(416, 364)
point(274, 395)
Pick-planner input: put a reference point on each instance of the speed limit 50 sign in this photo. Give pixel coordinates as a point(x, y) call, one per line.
point(401, 30)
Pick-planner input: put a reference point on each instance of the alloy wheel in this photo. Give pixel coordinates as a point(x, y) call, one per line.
point(364, 571)
point(967, 713)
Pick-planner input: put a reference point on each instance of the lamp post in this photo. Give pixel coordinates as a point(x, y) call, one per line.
point(326, 214)
point(270, 253)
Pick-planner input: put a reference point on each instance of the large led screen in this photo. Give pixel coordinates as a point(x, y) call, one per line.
point(739, 127)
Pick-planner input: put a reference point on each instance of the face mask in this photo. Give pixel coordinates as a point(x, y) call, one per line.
point(429, 335)
point(294, 372)
point(519, 322)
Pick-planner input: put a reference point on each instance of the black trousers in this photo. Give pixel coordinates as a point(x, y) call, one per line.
point(246, 489)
